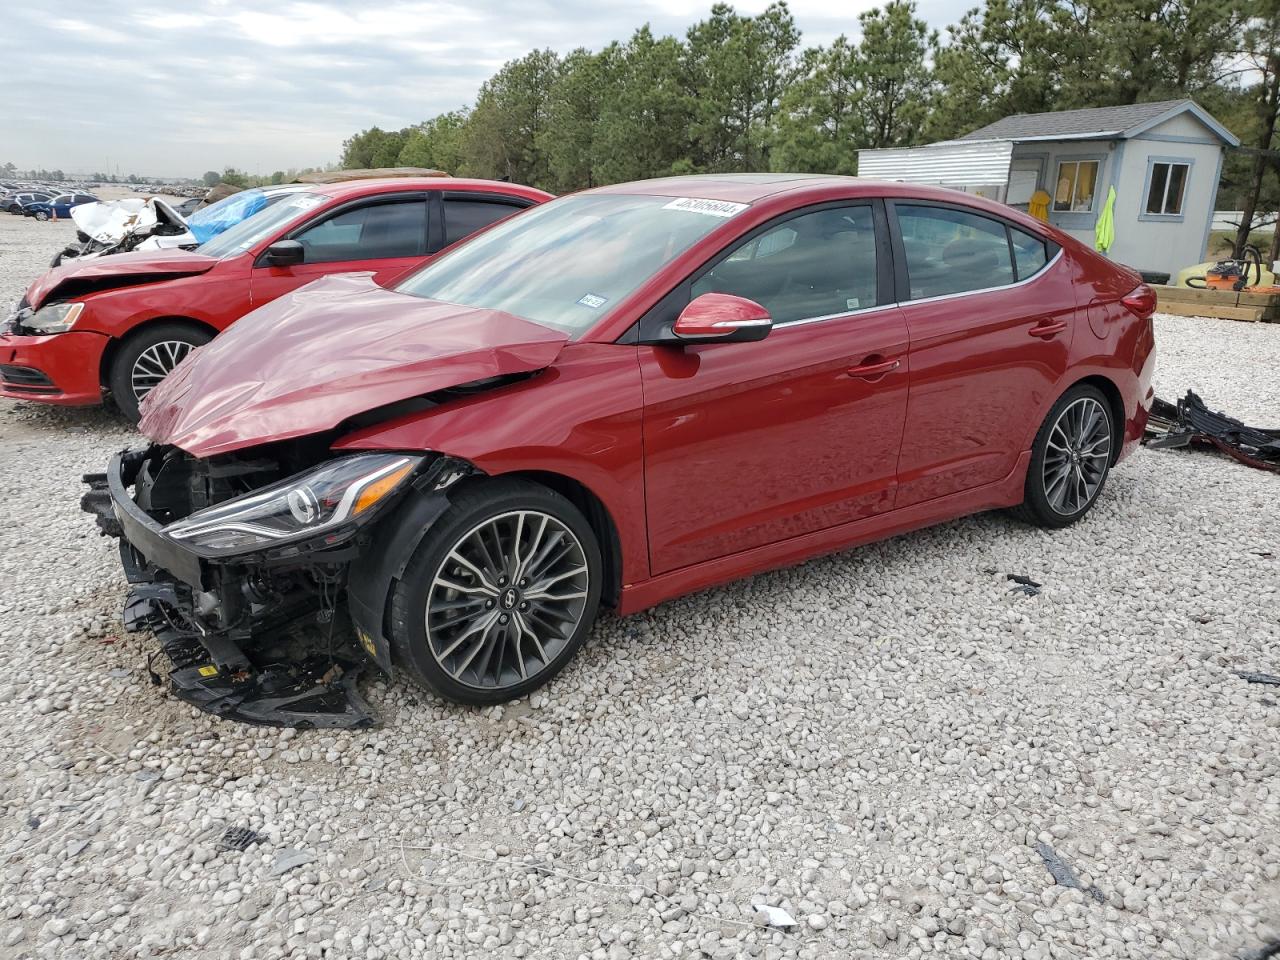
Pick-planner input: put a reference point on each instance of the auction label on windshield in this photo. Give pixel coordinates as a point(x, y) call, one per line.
point(712, 208)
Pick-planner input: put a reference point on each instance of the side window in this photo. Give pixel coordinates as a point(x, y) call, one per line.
point(1029, 253)
point(951, 251)
point(378, 231)
point(464, 217)
point(819, 264)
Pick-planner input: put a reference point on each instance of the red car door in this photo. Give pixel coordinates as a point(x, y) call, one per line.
point(990, 316)
point(751, 443)
point(385, 235)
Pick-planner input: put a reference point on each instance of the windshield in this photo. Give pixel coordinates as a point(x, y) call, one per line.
point(567, 263)
point(258, 226)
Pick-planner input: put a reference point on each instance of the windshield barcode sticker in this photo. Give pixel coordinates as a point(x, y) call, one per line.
point(592, 300)
point(712, 208)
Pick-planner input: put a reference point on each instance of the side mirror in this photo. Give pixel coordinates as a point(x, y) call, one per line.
point(284, 253)
point(722, 318)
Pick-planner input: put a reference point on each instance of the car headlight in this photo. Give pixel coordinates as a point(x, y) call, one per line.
point(55, 318)
point(329, 501)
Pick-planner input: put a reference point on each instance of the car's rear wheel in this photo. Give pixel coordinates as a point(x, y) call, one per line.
point(148, 357)
point(1070, 459)
point(500, 594)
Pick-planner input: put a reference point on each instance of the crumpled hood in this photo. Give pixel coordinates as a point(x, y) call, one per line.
point(110, 221)
point(340, 346)
point(76, 278)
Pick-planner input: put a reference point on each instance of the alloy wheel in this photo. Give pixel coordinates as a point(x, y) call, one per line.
point(1077, 456)
point(507, 599)
point(155, 363)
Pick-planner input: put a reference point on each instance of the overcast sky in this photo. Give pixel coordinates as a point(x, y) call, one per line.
point(178, 88)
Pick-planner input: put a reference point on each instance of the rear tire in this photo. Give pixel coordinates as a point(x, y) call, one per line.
point(500, 594)
point(1070, 459)
point(146, 357)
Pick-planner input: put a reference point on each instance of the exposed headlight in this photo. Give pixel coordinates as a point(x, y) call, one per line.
point(55, 318)
point(333, 498)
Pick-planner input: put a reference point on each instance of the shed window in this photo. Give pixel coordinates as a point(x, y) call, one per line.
point(1077, 181)
point(1168, 183)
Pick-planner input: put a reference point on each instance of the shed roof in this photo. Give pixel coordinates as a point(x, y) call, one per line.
point(1119, 123)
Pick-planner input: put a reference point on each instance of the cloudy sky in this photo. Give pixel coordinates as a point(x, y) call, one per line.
point(179, 88)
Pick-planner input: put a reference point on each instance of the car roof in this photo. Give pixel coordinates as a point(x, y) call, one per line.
point(360, 188)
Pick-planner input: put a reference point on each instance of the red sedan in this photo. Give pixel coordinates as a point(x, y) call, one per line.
point(119, 324)
point(622, 396)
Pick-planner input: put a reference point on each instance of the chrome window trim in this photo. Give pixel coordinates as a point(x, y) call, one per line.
point(1007, 286)
point(946, 296)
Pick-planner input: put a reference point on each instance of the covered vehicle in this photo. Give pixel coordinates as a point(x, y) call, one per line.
point(115, 326)
point(152, 223)
point(615, 398)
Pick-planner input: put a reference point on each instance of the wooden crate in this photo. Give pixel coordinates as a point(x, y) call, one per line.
point(1221, 304)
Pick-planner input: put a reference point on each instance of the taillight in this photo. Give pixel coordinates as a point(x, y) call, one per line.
point(1141, 302)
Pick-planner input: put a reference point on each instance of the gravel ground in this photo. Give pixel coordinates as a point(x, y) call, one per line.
point(877, 742)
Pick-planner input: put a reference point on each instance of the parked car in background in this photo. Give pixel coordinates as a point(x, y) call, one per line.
point(16, 201)
point(117, 325)
point(616, 398)
point(59, 206)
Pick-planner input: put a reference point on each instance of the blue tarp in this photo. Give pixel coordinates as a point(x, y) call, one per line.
point(212, 220)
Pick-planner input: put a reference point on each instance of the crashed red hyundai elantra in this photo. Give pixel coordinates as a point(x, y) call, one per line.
point(612, 399)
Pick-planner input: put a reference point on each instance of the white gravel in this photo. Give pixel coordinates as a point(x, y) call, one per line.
point(875, 742)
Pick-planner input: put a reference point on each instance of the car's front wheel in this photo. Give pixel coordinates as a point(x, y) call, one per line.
point(1070, 459)
point(500, 594)
point(41, 215)
point(148, 357)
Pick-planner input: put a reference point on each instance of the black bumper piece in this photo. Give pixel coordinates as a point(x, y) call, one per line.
point(295, 666)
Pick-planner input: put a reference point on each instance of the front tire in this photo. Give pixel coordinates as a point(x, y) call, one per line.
point(500, 594)
point(1070, 459)
point(41, 215)
point(146, 358)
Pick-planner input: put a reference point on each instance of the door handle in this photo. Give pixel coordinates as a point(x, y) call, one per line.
point(870, 371)
point(1047, 329)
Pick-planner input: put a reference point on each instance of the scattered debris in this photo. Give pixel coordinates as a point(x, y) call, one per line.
point(239, 839)
point(1270, 679)
point(775, 916)
point(1190, 422)
point(1062, 873)
point(290, 859)
point(1025, 585)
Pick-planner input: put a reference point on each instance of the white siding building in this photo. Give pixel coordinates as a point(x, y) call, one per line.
point(1164, 160)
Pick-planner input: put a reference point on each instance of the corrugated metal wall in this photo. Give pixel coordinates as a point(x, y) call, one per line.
point(952, 163)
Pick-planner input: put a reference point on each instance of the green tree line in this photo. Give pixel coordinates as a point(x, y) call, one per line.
point(741, 93)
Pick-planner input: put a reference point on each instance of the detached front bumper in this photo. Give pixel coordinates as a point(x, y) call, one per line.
point(62, 368)
point(258, 640)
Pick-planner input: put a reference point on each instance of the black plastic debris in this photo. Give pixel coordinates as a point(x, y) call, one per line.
point(1025, 585)
point(1270, 679)
point(1264, 952)
point(1190, 423)
point(239, 839)
point(1062, 873)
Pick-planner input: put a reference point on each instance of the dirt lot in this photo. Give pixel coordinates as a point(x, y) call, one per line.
point(884, 743)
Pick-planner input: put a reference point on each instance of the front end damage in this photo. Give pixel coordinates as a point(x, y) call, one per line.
point(254, 570)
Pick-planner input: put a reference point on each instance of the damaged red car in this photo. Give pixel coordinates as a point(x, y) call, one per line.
point(114, 327)
point(610, 400)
